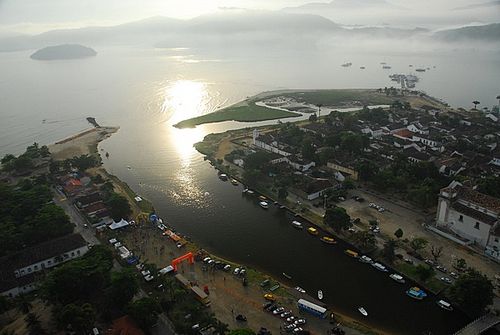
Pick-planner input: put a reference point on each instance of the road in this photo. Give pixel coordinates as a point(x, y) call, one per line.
point(164, 325)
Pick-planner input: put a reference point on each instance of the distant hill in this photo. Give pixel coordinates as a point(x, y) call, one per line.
point(64, 51)
point(486, 33)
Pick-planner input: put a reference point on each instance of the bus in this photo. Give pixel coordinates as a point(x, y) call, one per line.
point(312, 308)
point(200, 295)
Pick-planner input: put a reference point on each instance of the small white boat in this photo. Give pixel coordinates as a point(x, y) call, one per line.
point(300, 289)
point(320, 294)
point(444, 305)
point(245, 190)
point(129, 167)
point(363, 311)
point(250, 191)
point(380, 267)
point(397, 278)
point(365, 259)
point(297, 224)
point(264, 204)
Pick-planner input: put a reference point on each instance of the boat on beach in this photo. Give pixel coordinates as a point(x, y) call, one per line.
point(328, 240)
point(320, 294)
point(297, 224)
point(363, 311)
point(264, 204)
point(397, 278)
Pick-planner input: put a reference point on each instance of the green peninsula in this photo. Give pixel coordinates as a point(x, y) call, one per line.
point(286, 103)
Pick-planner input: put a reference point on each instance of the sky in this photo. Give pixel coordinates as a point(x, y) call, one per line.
point(35, 16)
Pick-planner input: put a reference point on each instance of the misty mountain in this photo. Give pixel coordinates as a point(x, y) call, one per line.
point(65, 51)
point(486, 33)
point(341, 5)
point(495, 3)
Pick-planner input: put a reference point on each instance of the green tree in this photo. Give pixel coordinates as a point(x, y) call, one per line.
point(33, 324)
point(418, 243)
point(243, 331)
point(337, 218)
point(389, 251)
point(282, 193)
point(123, 287)
point(84, 162)
point(436, 252)
point(473, 292)
point(307, 149)
point(424, 272)
point(81, 318)
point(364, 240)
point(7, 158)
point(257, 161)
point(313, 117)
point(460, 264)
point(118, 206)
point(398, 233)
point(144, 311)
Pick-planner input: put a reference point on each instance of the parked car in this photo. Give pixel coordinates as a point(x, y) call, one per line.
point(269, 297)
point(442, 269)
point(300, 322)
point(148, 278)
point(445, 280)
point(286, 314)
point(145, 273)
point(278, 310)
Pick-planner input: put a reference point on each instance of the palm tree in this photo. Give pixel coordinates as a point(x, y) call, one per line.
point(475, 102)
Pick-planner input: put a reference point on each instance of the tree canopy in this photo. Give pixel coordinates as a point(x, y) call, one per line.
point(118, 206)
point(473, 292)
point(337, 218)
point(144, 311)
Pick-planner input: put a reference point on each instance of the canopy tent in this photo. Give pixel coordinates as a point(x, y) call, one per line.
point(117, 225)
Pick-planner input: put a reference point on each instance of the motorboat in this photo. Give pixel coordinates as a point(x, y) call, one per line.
point(444, 305)
point(365, 259)
point(234, 182)
point(420, 70)
point(262, 198)
point(300, 289)
point(320, 294)
point(264, 204)
point(416, 293)
point(362, 67)
point(386, 67)
point(363, 311)
point(397, 278)
point(250, 191)
point(351, 253)
point(328, 240)
point(312, 231)
point(380, 267)
point(223, 177)
point(286, 275)
point(347, 64)
point(297, 224)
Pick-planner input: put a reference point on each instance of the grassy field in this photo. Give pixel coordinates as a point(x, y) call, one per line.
point(433, 284)
point(248, 113)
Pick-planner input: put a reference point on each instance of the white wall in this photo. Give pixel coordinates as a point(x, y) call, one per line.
point(466, 228)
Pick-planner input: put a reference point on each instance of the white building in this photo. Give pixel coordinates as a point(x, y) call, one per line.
point(20, 270)
point(471, 215)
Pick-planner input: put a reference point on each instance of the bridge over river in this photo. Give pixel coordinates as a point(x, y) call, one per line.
point(479, 325)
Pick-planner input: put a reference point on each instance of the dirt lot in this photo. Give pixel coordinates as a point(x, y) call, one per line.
point(227, 294)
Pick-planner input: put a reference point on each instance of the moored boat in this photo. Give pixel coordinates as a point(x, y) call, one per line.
point(297, 224)
point(420, 70)
point(312, 231)
point(262, 198)
point(380, 267)
point(328, 240)
point(320, 294)
point(234, 182)
point(223, 177)
point(264, 204)
point(363, 311)
point(397, 278)
point(351, 253)
point(250, 191)
point(365, 259)
point(444, 305)
point(286, 275)
point(300, 289)
point(416, 293)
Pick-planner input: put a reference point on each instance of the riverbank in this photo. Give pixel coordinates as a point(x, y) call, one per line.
point(227, 292)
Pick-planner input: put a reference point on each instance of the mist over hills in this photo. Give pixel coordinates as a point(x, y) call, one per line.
point(239, 28)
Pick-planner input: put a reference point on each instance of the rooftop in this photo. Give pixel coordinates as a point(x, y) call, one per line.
point(478, 198)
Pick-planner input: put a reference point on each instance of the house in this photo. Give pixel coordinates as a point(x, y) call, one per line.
point(426, 140)
point(95, 209)
point(317, 128)
point(87, 200)
point(312, 188)
point(299, 163)
point(470, 214)
point(344, 168)
point(269, 143)
point(415, 156)
point(373, 133)
point(21, 270)
point(417, 128)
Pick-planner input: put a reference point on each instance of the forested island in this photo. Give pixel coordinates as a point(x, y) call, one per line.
point(63, 51)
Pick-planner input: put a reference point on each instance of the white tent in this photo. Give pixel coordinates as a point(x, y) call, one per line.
point(117, 225)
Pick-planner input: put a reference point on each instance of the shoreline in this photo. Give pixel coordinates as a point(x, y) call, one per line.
point(125, 190)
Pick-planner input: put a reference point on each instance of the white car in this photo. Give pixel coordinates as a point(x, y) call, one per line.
point(148, 278)
point(145, 273)
point(113, 241)
point(206, 259)
point(297, 330)
point(227, 267)
point(278, 310)
point(299, 322)
point(445, 280)
point(290, 319)
point(236, 271)
point(166, 270)
point(381, 209)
